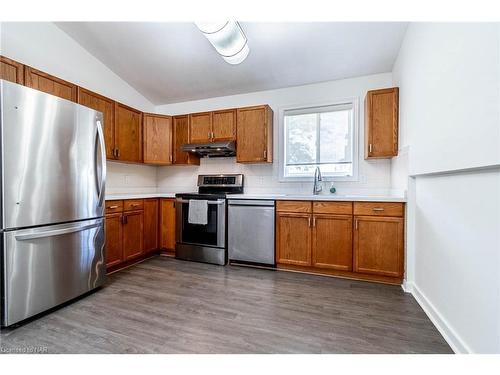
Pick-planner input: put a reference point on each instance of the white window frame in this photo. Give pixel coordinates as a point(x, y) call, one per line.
point(354, 102)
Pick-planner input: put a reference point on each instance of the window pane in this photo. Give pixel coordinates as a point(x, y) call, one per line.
point(301, 138)
point(335, 136)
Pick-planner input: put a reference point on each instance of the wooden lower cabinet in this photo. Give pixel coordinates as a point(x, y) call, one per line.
point(167, 224)
point(151, 216)
point(293, 238)
point(326, 238)
point(114, 247)
point(131, 231)
point(332, 242)
point(133, 236)
point(379, 245)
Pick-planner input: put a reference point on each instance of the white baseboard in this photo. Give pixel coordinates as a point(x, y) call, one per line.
point(442, 325)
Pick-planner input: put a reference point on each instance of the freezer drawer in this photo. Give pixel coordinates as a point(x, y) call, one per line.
point(46, 266)
point(251, 231)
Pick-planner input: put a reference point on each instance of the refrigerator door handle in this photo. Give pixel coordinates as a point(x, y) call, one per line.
point(57, 232)
point(100, 185)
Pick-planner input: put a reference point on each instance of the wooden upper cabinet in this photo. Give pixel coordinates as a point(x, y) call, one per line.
point(381, 123)
point(379, 245)
point(180, 126)
point(167, 224)
point(11, 70)
point(332, 242)
point(49, 84)
point(293, 238)
point(128, 134)
point(200, 127)
point(224, 125)
point(107, 107)
point(254, 134)
point(157, 139)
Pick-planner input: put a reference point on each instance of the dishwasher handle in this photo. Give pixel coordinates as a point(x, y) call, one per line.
point(250, 202)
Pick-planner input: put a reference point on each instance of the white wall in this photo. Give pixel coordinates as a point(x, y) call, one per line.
point(448, 76)
point(373, 175)
point(44, 46)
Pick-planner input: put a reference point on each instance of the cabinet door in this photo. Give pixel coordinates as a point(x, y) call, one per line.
point(378, 245)
point(181, 137)
point(157, 139)
point(381, 123)
point(51, 85)
point(224, 125)
point(133, 225)
point(293, 238)
point(114, 248)
point(332, 242)
point(254, 134)
point(200, 127)
point(11, 70)
point(151, 216)
point(128, 133)
point(107, 107)
point(167, 224)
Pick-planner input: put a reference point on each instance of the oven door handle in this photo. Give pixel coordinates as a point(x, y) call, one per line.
point(219, 201)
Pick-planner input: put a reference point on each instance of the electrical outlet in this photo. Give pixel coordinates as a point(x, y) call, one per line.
point(127, 179)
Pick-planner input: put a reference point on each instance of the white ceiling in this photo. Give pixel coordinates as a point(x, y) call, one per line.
point(173, 62)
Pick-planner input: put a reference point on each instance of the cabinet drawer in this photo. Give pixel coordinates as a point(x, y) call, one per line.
point(114, 206)
point(340, 208)
point(379, 209)
point(133, 204)
point(293, 206)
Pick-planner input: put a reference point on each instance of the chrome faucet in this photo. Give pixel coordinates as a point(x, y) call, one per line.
point(317, 179)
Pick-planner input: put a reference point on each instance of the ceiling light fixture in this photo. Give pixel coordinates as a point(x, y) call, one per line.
point(227, 38)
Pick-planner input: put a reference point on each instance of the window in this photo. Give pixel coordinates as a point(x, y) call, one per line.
point(318, 137)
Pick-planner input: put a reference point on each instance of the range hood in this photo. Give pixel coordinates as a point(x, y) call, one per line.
point(211, 150)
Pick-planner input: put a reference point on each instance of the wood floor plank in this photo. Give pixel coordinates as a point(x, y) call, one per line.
point(165, 305)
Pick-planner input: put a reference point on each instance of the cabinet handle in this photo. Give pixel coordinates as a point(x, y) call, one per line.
point(378, 209)
point(170, 158)
point(124, 219)
point(213, 136)
point(265, 154)
point(309, 221)
point(314, 221)
point(356, 224)
point(370, 148)
point(112, 207)
point(135, 205)
point(117, 152)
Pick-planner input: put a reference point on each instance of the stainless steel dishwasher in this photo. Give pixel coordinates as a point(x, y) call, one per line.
point(251, 231)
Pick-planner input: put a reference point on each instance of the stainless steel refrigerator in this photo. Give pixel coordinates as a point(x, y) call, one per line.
point(53, 172)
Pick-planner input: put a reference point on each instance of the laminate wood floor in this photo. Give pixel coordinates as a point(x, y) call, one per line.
point(165, 305)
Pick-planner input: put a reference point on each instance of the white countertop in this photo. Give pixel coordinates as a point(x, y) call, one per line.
point(323, 197)
point(110, 197)
point(294, 197)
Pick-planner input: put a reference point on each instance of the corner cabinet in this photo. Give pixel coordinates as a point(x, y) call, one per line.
point(128, 134)
point(157, 135)
point(254, 134)
point(381, 123)
point(180, 126)
point(359, 240)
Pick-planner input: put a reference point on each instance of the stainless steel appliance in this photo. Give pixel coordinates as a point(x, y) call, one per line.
point(251, 231)
point(210, 150)
point(206, 243)
point(53, 166)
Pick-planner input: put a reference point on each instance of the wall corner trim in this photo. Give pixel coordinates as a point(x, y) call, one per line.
point(450, 335)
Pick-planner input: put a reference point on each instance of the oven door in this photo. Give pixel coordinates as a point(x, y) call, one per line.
point(212, 234)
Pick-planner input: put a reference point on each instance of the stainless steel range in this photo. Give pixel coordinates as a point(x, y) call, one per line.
point(205, 240)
